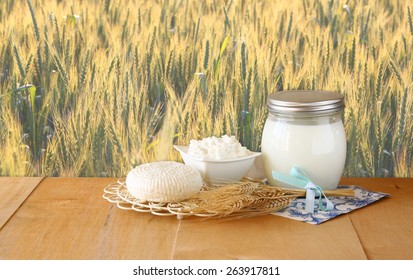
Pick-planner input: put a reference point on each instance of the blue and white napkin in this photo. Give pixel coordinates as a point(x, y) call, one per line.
point(342, 205)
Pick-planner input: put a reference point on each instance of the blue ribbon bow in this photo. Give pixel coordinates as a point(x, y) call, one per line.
point(299, 179)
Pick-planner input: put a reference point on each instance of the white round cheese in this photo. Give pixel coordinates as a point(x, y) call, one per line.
point(163, 181)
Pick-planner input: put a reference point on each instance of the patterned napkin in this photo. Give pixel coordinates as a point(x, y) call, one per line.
point(342, 205)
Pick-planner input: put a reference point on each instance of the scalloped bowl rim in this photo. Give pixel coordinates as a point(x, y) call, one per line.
point(184, 150)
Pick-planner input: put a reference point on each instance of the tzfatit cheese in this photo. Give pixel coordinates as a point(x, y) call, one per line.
point(163, 181)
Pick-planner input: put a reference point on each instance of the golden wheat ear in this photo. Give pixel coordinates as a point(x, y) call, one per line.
point(337, 192)
point(247, 198)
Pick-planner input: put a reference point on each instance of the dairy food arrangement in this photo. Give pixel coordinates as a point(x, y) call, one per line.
point(216, 148)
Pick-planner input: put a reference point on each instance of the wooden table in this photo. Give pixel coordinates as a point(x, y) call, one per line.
point(67, 218)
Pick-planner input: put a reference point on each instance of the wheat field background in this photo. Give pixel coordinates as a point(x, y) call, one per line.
point(94, 88)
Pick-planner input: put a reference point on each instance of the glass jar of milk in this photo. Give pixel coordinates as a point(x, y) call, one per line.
point(304, 129)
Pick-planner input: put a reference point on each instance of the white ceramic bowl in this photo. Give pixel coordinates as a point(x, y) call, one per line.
point(219, 171)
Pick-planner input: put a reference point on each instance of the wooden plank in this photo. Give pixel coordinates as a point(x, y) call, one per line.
point(385, 228)
point(67, 218)
point(267, 237)
point(13, 192)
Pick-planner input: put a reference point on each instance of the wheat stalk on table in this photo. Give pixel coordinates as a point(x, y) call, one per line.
point(245, 199)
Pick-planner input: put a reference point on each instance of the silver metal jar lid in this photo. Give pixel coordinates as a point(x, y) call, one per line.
point(304, 102)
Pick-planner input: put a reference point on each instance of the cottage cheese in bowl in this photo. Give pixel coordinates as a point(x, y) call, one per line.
point(215, 148)
point(220, 160)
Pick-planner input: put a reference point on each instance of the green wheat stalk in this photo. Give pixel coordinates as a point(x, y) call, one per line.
point(83, 71)
point(402, 120)
point(396, 72)
point(35, 25)
point(19, 63)
point(290, 23)
point(409, 16)
point(63, 74)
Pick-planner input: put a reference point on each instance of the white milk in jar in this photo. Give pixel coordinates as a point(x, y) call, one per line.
point(304, 129)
